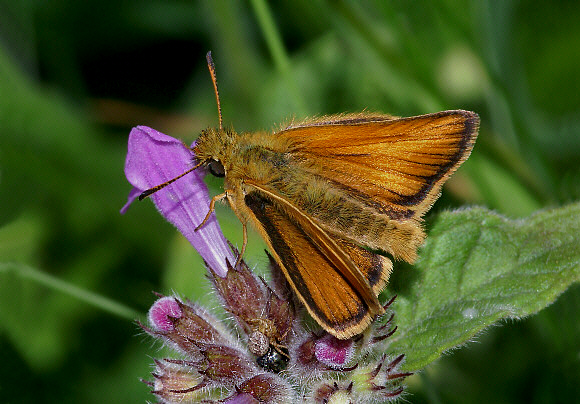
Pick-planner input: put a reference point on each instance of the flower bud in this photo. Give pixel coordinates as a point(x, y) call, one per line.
point(176, 383)
point(333, 352)
point(265, 318)
point(382, 380)
point(264, 388)
point(334, 393)
point(183, 326)
point(225, 365)
point(163, 313)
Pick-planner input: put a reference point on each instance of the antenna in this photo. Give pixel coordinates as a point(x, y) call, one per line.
point(211, 68)
point(156, 188)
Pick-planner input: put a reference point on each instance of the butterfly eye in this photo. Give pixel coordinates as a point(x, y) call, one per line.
point(216, 168)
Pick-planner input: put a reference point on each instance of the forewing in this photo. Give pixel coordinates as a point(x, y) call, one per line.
point(394, 165)
point(328, 295)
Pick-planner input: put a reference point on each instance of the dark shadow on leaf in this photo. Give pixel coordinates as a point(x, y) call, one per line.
point(404, 275)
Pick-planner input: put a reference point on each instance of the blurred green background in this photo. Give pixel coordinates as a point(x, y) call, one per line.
point(75, 76)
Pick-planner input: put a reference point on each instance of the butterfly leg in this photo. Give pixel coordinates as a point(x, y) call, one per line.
point(244, 243)
point(211, 208)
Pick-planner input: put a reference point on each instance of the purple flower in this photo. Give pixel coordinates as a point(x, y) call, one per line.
point(163, 313)
point(273, 357)
point(154, 158)
point(333, 352)
point(215, 366)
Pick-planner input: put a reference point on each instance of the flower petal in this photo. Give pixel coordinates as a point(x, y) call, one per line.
point(334, 352)
point(162, 313)
point(242, 398)
point(133, 194)
point(154, 158)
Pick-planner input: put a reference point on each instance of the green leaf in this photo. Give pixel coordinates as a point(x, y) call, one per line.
point(477, 268)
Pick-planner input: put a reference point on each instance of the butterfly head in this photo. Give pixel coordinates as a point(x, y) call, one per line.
point(213, 148)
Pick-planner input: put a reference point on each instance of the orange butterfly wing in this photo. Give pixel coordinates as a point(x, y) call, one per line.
point(385, 172)
point(315, 274)
point(396, 165)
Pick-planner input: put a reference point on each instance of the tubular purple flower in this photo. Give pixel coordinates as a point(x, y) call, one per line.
point(154, 158)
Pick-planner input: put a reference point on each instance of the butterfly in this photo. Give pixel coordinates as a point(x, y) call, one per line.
point(335, 198)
